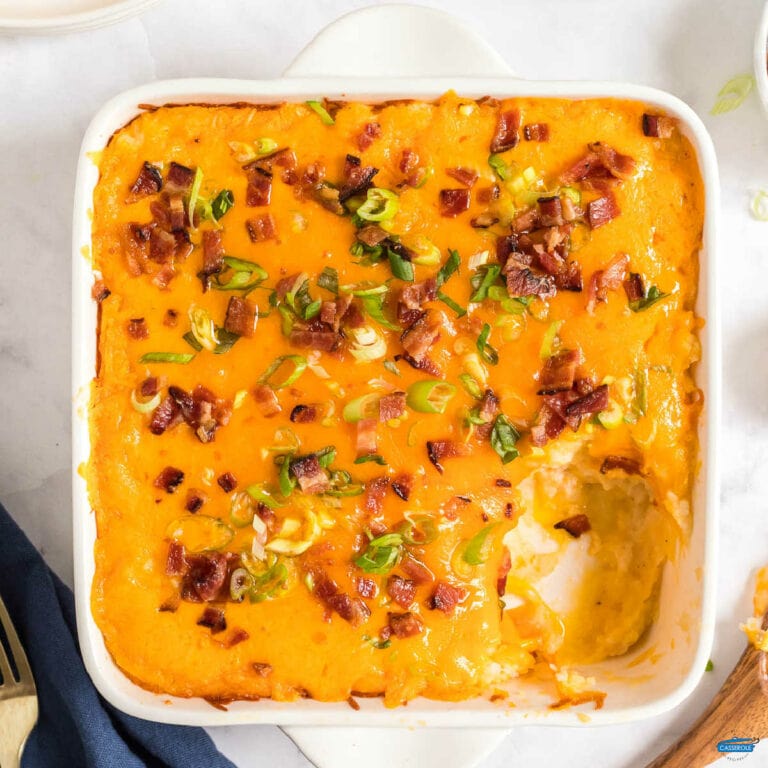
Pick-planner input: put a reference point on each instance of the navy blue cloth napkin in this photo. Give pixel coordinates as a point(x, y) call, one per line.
point(76, 727)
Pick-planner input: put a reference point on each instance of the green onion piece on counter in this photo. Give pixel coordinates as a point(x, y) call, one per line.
point(382, 554)
point(222, 203)
point(146, 406)
point(261, 495)
point(759, 205)
point(732, 94)
point(241, 509)
point(651, 297)
point(418, 530)
point(374, 307)
point(194, 193)
point(471, 386)
point(550, 341)
point(297, 364)
point(380, 205)
point(430, 396)
point(329, 279)
point(487, 352)
point(451, 304)
point(182, 358)
point(499, 166)
point(391, 366)
point(200, 533)
point(401, 268)
point(265, 146)
point(504, 439)
point(371, 457)
point(710, 666)
point(321, 112)
point(364, 407)
point(475, 551)
point(485, 279)
point(446, 271)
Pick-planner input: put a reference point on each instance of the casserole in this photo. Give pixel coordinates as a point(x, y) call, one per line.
point(639, 683)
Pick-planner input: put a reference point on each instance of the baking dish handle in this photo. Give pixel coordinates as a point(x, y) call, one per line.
point(398, 41)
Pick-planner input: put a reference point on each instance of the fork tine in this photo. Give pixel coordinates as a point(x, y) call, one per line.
point(25, 673)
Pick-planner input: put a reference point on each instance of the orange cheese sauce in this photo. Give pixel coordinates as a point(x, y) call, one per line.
point(646, 358)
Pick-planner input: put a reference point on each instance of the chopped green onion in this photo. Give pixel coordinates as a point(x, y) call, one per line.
point(364, 407)
point(265, 146)
point(499, 166)
point(430, 396)
point(374, 307)
point(418, 530)
point(710, 666)
point(227, 340)
point(381, 555)
point(145, 406)
point(260, 494)
point(732, 94)
point(326, 456)
point(550, 341)
point(329, 279)
point(246, 275)
point(194, 193)
point(222, 203)
point(487, 352)
point(312, 309)
point(321, 111)
point(401, 268)
point(651, 297)
point(299, 364)
point(343, 491)
point(268, 583)
point(474, 553)
point(451, 304)
point(391, 366)
point(240, 583)
point(367, 343)
point(241, 509)
point(497, 292)
point(572, 193)
point(377, 643)
point(285, 479)
point(288, 441)
point(471, 386)
point(492, 272)
point(366, 288)
point(182, 358)
point(371, 457)
point(427, 254)
point(451, 265)
point(200, 533)
point(203, 328)
point(612, 417)
point(641, 391)
point(504, 438)
point(380, 205)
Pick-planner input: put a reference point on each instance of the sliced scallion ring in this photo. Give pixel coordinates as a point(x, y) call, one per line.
point(487, 352)
point(550, 340)
point(418, 530)
point(471, 387)
point(759, 205)
point(200, 533)
point(265, 145)
point(427, 254)
point(297, 364)
point(366, 288)
point(321, 112)
point(367, 344)
point(146, 406)
point(203, 328)
point(475, 551)
point(181, 358)
point(364, 407)
point(241, 509)
point(240, 583)
point(194, 193)
point(380, 205)
point(430, 396)
point(732, 94)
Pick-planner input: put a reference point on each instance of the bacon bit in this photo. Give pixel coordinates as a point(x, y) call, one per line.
point(501, 482)
point(412, 298)
point(607, 279)
point(353, 610)
point(375, 490)
point(213, 618)
point(405, 624)
point(311, 476)
point(416, 570)
point(402, 485)
point(308, 338)
point(465, 176)
point(367, 587)
point(488, 406)
point(213, 256)
point(408, 160)
point(148, 182)
point(350, 700)
point(602, 164)
point(437, 450)
point(237, 636)
point(259, 190)
point(526, 221)
point(401, 590)
point(418, 339)
point(366, 443)
point(602, 210)
point(593, 402)
point(171, 318)
point(283, 158)
point(169, 479)
point(177, 215)
point(164, 416)
point(505, 566)
point(634, 287)
point(486, 195)
point(262, 669)
point(357, 178)
point(536, 132)
point(303, 414)
point(445, 597)
point(137, 328)
point(175, 563)
point(550, 211)
point(453, 202)
point(99, 292)
point(625, 464)
point(227, 482)
point(150, 386)
point(163, 276)
point(195, 500)
point(162, 246)
point(267, 399)
point(575, 525)
point(241, 317)
point(521, 281)
point(179, 178)
point(506, 245)
point(205, 577)
point(392, 406)
point(201, 410)
point(171, 605)
point(261, 228)
point(484, 220)
point(559, 372)
point(328, 312)
point(507, 134)
point(569, 278)
point(371, 235)
point(657, 126)
point(370, 132)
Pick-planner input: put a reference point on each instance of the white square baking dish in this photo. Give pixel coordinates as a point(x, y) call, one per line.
point(667, 665)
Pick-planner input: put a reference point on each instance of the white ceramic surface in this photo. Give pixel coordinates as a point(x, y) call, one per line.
point(760, 58)
point(687, 601)
point(39, 17)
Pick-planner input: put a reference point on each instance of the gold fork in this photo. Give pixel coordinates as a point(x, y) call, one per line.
point(18, 697)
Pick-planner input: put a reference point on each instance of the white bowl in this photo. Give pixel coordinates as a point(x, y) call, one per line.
point(637, 686)
point(760, 58)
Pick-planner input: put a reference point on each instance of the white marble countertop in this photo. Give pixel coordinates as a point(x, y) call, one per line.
point(49, 90)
